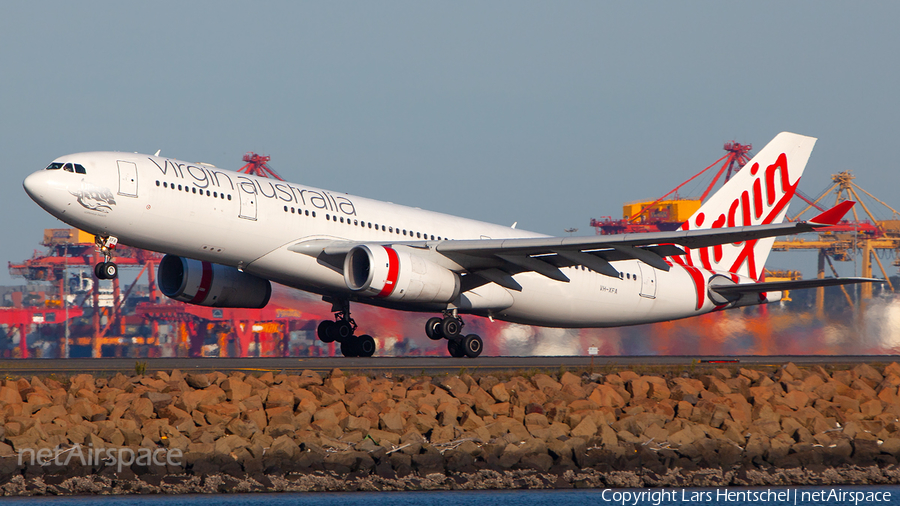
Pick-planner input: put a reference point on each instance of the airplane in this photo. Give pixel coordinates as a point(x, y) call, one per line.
point(228, 235)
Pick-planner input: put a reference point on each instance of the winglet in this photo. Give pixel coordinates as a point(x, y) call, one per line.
point(833, 215)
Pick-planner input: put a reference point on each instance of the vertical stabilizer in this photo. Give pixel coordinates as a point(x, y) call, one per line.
point(757, 195)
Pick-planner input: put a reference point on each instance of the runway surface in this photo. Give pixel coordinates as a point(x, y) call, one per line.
point(413, 365)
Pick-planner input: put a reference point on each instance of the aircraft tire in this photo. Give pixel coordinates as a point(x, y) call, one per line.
point(455, 348)
point(342, 331)
point(472, 345)
point(99, 270)
point(350, 348)
point(365, 346)
point(433, 329)
point(450, 327)
point(110, 270)
point(323, 331)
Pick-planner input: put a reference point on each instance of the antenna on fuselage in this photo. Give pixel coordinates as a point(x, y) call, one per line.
point(157, 152)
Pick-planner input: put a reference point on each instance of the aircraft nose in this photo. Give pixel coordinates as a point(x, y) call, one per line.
point(33, 185)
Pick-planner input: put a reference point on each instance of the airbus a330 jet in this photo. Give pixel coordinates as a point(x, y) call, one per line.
point(227, 235)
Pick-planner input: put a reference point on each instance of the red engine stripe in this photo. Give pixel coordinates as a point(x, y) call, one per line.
point(205, 282)
point(393, 271)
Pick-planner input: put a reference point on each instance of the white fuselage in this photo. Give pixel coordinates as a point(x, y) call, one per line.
point(202, 212)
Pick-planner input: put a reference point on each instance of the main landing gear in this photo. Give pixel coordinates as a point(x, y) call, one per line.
point(342, 330)
point(107, 269)
point(449, 327)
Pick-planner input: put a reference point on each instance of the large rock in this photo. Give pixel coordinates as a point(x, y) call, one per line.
point(392, 421)
point(9, 395)
point(279, 397)
point(659, 391)
point(236, 389)
point(499, 392)
point(606, 395)
point(198, 380)
point(542, 381)
point(454, 385)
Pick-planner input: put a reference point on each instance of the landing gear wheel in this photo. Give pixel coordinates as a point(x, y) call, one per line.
point(450, 327)
point(472, 345)
point(324, 331)
point(455, 348)
point(341, 331)
point(110, 270)
point(98, 270)
point(350, 348)
point(433, 329)
point(365, 346)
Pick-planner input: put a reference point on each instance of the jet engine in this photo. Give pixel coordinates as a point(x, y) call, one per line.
point(381, 271)
point(212, 285)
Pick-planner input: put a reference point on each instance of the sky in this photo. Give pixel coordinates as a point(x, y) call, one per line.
point(543, 113)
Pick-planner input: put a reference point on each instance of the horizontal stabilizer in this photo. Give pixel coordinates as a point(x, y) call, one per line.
point(776, 286)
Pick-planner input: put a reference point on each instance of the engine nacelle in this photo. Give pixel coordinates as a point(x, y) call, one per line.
point(380, 271)
point(212, 285)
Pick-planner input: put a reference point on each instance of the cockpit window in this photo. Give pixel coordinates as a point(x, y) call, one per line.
point(68, 167)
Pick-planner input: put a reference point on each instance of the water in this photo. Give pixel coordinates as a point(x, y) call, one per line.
point(793, 496)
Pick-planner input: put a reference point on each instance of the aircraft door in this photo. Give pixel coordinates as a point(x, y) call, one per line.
point(248, 205)
point(648, 281)
point(128, 179)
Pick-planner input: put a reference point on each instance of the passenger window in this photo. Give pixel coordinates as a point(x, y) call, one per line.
point(342, 219)
point(165, 184)
point(229, 196)
point(157, 183)
point(370, 224)
point(222, 196)
point(418, 235)
point(285, 208)
point(307, 212)
point(355, 222)
point(215, 195)
point(207, 193)
point(404, 231)
point(193, 190)
point(314, 214)
point(390, 229)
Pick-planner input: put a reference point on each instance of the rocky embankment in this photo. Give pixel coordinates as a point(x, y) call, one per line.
point(215, 433)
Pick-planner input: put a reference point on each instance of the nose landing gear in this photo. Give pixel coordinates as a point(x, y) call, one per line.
point(342, 330)
point(449, 328)
point(107, 269)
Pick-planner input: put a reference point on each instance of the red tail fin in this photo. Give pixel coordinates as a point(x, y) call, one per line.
point(834, 215)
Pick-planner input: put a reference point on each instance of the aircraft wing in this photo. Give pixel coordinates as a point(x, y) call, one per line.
point(496, 260)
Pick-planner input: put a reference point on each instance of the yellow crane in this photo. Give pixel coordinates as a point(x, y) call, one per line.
point(845, 240)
